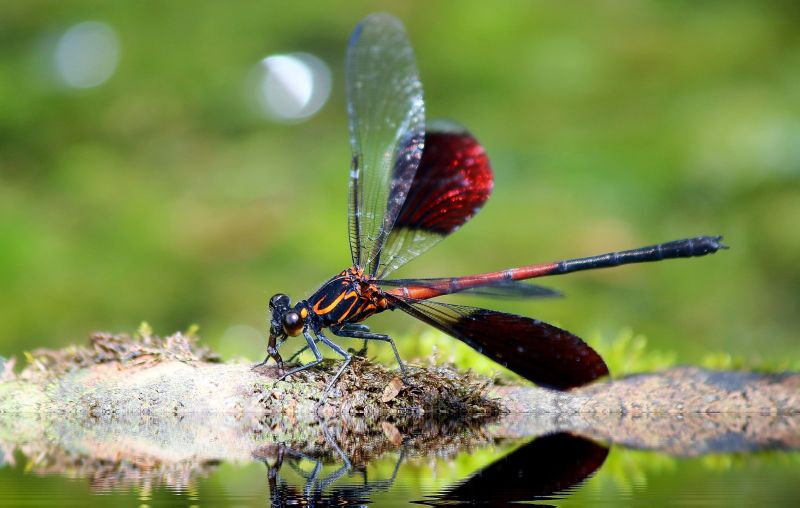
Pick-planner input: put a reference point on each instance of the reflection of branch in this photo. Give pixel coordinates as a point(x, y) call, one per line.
point(106, 473)
point(120, 451)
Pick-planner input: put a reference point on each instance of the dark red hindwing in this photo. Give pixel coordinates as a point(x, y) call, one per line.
point(452, 182)
point(543, 353)
point(540, 352)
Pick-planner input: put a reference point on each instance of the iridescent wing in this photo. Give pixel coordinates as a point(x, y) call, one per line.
point(453, 181)
point(387, 128)
point(542, 353)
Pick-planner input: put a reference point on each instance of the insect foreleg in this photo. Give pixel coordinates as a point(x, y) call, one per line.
point(312, 344)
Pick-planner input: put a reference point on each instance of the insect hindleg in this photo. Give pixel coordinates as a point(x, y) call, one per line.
point(350, 332)
point(359, 328)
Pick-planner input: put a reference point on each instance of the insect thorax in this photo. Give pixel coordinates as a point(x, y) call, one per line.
point(349, 297)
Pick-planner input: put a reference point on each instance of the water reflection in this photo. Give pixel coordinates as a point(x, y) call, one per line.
point(539, 469)
point(545, 466)
point(320, 489)
point(526, 458)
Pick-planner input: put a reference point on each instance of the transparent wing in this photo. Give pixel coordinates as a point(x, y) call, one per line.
point(453, 181)
point(387, 129)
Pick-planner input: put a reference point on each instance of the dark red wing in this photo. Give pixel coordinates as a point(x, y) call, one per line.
point(542, 353)
point(452, 182)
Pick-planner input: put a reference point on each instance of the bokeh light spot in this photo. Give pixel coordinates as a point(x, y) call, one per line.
point(293, 87)
point(87, 54)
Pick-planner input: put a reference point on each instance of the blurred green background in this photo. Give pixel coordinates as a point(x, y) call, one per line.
point(165, 194)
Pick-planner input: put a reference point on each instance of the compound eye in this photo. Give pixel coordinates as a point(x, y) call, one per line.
point(279, 300)
point(292, 323)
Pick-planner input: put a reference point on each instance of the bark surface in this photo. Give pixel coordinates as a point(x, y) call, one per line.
point(145, 374)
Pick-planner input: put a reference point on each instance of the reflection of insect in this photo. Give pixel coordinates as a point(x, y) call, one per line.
point(320, 489)
point(547, 465)
point(411, 185)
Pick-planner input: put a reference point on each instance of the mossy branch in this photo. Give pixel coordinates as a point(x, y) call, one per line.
point(146, 374)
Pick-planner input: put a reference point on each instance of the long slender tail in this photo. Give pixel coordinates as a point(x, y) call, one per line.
point(686, 248)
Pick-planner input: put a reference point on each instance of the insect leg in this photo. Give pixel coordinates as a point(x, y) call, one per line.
point(346, 331)
point(272, 352)
point(299, 352)
point(361, 328)
point(312, 344)
point(360, 352)
point(347, 357)
point(355, 327)
point(262, 363)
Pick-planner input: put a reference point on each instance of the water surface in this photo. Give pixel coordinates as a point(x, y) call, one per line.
point(222, 460)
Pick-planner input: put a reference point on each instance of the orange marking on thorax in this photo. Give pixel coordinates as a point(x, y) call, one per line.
point(347, 312)
point(334, 303)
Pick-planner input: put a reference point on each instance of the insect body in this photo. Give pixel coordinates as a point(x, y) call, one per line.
point(350, 297)
point(411, 185)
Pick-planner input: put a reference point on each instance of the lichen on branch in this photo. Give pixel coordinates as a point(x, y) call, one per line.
point(144, 373)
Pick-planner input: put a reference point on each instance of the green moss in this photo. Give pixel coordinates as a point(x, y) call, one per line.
point(628, 353)
point(728, 361)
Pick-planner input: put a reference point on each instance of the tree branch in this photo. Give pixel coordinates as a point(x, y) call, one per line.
point(146, 374)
